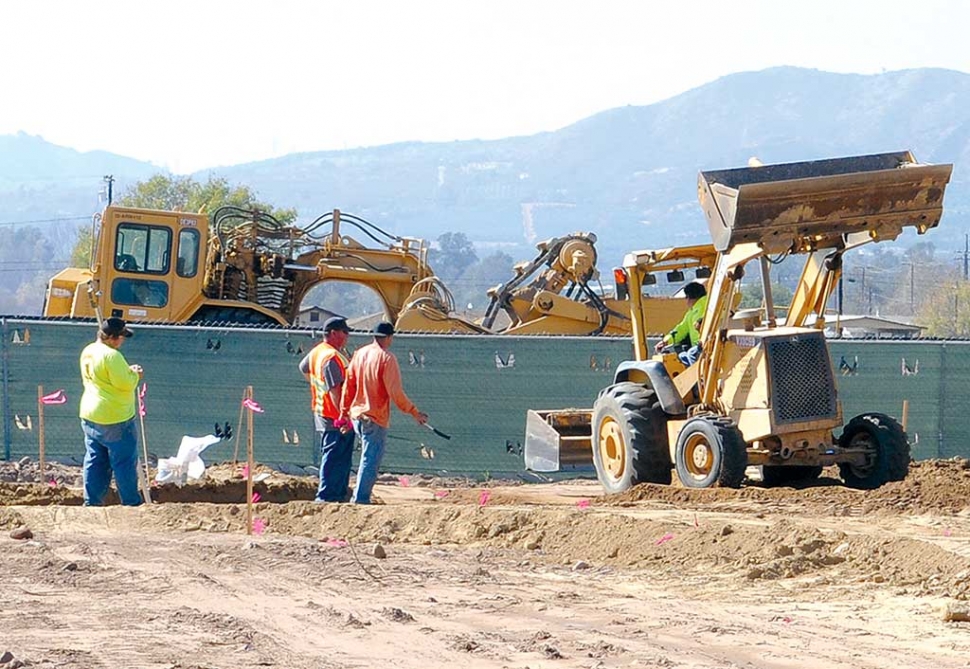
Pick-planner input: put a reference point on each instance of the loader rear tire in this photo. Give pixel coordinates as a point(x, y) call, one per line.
point(629, 438)
point(888, 446)
point(710, 452)
point(787, 475)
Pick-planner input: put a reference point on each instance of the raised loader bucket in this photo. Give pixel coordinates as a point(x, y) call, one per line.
point(809, 205)
point(558, 440)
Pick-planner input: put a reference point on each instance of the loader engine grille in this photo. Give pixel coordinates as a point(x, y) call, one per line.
point(802, 384)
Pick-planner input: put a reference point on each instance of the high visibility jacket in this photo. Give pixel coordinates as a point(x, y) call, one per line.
point(688, 326)
point(109, 385)
point(320, 400)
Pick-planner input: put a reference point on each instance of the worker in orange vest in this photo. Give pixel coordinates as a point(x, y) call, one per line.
point(325, 367)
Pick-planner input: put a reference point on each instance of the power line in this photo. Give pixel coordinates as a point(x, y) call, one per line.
point(46, 220)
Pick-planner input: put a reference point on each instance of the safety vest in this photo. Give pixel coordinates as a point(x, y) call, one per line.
point(320, 400)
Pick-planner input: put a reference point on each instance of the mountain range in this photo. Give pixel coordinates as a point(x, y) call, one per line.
point(628, 174)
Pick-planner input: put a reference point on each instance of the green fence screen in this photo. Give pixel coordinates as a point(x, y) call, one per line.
point(476, 388)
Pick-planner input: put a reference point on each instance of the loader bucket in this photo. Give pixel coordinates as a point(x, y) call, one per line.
point(558, 440)
point(811, 205)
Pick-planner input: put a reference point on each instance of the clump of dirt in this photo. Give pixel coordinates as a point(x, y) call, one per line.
point(932, 486)
point(27, 470)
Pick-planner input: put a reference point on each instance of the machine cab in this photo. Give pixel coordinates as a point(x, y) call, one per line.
point(147, 266)
point(149, 263)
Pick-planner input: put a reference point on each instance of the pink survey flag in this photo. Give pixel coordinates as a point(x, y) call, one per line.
point(484, 497)
point(256, 497)
point(252, 405)
point(141, 400)
point(56, 397)
point(259, 525)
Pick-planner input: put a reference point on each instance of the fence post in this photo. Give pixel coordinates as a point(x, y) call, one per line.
point(4, 360)
point(942, 402)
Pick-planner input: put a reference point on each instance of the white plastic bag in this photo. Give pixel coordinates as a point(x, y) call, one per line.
point(187, 464)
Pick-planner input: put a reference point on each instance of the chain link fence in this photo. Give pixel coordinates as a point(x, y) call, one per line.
point(476, 388)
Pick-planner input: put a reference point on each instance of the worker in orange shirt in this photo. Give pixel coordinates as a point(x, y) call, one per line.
point(372, 382)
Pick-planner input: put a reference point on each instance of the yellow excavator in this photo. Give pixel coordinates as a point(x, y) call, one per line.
point(245, 267)
point(762, 391)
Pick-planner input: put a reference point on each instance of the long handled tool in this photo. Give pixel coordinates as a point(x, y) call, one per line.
point(438, 432)
point(146, 483)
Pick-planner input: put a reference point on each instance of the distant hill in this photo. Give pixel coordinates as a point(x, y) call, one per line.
point(627, 174)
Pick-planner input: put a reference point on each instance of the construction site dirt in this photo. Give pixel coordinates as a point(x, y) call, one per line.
point(456, 573)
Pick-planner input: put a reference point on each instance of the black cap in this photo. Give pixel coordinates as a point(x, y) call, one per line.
point(115, 327)
point(383, 329)
point(336, 323)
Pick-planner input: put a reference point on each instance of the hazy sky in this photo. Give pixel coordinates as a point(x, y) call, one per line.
point(198, 84)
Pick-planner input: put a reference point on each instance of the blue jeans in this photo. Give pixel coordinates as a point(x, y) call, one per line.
point(107, 449)
point(373, 437)
point(689, 357)
point(336, 451)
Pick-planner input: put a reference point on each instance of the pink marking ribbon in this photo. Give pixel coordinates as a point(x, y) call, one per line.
point(252, 405)
point(441, 494)
point(404, 481)
point(52, 482)
point(56, 397)
point(582, 504)
point(337, 543)
point(664, 539)
point(256, 497)
point(245, 471)
point(484, 497)
point(259, 525)
point(141, 400)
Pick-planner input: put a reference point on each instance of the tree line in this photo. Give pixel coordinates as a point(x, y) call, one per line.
point(917, 285)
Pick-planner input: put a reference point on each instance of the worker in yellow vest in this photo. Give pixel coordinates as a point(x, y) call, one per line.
point(688, 330)
point(325, 367)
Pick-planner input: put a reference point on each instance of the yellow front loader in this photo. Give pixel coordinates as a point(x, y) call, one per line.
point(762, 391)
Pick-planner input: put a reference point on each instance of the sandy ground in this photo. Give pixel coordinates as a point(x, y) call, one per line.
point(493, 576)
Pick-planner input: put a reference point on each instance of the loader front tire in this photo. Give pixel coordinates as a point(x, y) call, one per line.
point(710, 452)
point(629, 438)
point(888, 448)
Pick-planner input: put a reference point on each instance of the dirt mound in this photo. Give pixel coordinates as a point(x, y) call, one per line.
point(937, 486)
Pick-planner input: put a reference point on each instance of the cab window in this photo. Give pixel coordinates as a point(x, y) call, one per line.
point(187, 262)
point(139, 292)
point(142, 249)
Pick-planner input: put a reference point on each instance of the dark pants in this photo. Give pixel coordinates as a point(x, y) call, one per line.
point(107, 449)
point(336, 452)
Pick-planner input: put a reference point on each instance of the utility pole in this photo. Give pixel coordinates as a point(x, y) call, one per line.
point(110, 180)
point(966, 257)
point(912, 301)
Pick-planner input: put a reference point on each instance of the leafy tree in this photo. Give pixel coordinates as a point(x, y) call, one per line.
point(26, 256)
point(83, 246)
point(945, 312)
point(175, 193)
point(453, 255)
point(471, 287)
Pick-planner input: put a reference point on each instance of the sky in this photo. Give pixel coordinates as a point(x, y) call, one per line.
point(195, 84)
